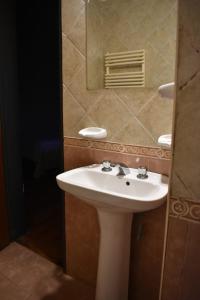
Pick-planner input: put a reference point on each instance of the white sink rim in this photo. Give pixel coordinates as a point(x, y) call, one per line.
point(102, 198)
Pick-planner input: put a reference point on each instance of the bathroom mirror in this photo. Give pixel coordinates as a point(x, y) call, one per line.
point(127, 27)
point(131, 115)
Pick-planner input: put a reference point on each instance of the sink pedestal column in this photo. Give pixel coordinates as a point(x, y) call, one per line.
point(114, 255)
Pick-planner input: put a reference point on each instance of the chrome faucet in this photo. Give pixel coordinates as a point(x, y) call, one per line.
point(106, 166)
point(142, 173)
point(123, 170)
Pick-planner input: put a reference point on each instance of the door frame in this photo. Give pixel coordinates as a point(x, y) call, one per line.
point(4, 222)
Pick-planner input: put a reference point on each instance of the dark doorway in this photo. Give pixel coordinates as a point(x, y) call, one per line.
point(39, 69)
point(4, 229)
point(12, 191)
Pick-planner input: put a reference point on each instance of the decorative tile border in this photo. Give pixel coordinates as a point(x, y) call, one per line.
point(185, 209)
point(116, 147)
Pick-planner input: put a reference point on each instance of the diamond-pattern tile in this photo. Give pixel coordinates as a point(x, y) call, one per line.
point(77, 35)
point(71, 10)
point(72, 60)
point(78, 88)
point(135, 132)
point(110, 113)
point(156, 115)
point(72, 111)
point(135, 99)
point(132, 116)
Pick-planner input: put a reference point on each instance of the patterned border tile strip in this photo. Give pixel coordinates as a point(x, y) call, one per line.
point(185, 209)
point(122, 148)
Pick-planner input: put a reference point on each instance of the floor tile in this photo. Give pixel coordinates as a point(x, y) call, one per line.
point(62, 288)
point(24, 267)
point(8, 291)
point(25, 275)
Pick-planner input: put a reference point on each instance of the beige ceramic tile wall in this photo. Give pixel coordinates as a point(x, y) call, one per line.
point(131, 116)
point(116, 25)
point(182, 262)
point(186, 170)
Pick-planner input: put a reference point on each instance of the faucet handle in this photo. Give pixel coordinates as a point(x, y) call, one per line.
point(142, 172)
point(117, 164)
point(113, 164)
point(106, 166)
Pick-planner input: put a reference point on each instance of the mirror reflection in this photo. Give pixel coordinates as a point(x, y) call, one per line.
point(119, 32)
point(131, 52)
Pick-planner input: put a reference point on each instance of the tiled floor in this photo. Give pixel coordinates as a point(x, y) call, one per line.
point(24, 275)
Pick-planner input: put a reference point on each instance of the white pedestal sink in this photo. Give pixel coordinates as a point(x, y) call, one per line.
point(116, 199)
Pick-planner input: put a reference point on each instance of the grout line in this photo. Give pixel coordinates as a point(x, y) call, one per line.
point(76, 19)
point(82, 55)
point(147, 103)
point(140, 123)
point(75, 99)
point(123, 127)
point(68, 34)
point(79, 68)
point(82, 9)
point(77, 49)
point(12, 283)
point(98, 99)
point(184, 185)
point(89, 109)
point(74, 75)
point(85, 115)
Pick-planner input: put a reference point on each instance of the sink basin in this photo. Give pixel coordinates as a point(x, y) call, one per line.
point(106, 190)
point(116, 200)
